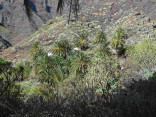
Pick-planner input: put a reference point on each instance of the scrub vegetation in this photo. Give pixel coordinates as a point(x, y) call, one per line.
point(82, 78)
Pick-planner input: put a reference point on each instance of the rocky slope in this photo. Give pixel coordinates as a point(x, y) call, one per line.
point(136, 17)
point(14, 18)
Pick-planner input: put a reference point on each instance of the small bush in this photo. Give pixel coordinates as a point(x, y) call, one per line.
point(8, 76)
point(143, 55)
point(26, 69)
point(118, 40)
point(9, 90)
point(36, 51)
point(62, 48)
point(81, 41)
point(101, 38)
point(102, 51)
point(78, 64)
point(104, 73)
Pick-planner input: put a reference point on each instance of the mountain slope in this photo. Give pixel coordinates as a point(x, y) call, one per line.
point(136, 18)
point(14, 18)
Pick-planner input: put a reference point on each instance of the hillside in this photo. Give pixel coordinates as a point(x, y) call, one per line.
point(136, 18)
point(102, 64)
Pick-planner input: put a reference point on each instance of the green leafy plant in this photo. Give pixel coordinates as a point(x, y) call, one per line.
point(62, 48)
point(103, 50)
point(118, 38)
point(143, 55)
point(47, 71)
point(81, 41)
point(101, 38)
point(36, 51)
point(78, 63)
point(45, 67)
point(62, 66)
point(153, 76)
point(26, 69)
point(8, 76)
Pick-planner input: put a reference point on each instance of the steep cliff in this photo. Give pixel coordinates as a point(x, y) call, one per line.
point(14, 18)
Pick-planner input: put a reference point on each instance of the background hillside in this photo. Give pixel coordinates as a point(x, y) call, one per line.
point(138, 18)
point(14, 18)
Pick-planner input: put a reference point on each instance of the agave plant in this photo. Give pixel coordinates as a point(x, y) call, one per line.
point(102, 48)
point(62, 66)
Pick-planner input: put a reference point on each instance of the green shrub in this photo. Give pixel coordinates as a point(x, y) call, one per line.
point(4, 65)
point(8, 77)
point(102, 51)
point(153, 76)
point(45, 67)
point(101, 48)
point(143, 55)
point(118, 40)
point(100, 38)
point(34, 88)
point(62, 48)
point(27, 69)
point(104, 75)
point(62, 66)
point(78, 62)
point(36, 51)
point(81, 41)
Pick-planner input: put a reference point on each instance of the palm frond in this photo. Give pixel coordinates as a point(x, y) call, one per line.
point(74, 7)
point(60, 6)
point(28, 8)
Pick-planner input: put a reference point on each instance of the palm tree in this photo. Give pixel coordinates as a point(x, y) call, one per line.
point(74, 5)
point(28, 8)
